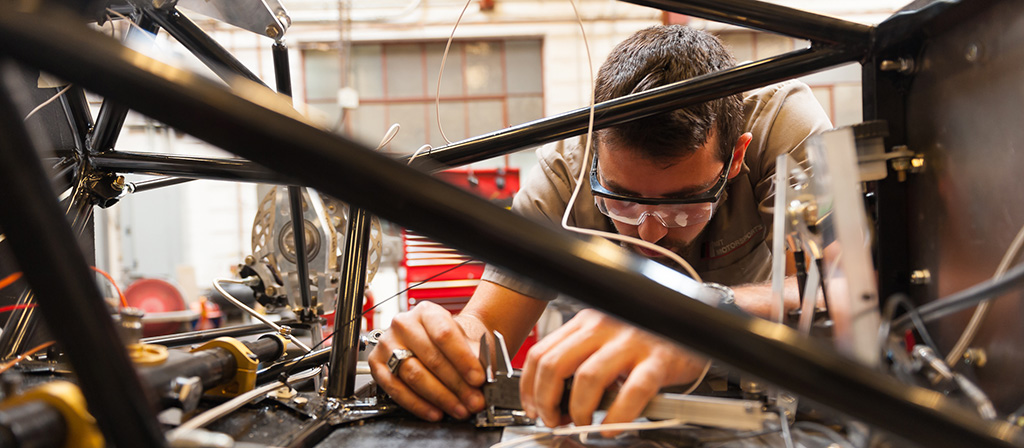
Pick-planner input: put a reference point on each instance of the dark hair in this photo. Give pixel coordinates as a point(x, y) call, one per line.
point(661, 55)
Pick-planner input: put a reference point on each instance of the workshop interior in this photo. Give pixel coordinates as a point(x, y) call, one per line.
point(129, 319)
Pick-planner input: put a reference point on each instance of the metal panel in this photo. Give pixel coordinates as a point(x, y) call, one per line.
point(964, 115)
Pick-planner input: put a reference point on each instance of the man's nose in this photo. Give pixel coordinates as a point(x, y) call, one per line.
point(651, 228)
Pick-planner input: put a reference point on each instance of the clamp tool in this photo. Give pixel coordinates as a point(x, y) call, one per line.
point(501, 387)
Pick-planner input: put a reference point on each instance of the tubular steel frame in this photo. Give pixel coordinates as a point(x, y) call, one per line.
point(594, 270)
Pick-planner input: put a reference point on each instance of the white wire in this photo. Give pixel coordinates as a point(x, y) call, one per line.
point(579, 183)
point(254, 313)
point(573, 430)
point(125, 18)
point(389, 135)
point(440, 73)
point(223, 409)
point(45, 103)
point(957, 353)
point(418, 151)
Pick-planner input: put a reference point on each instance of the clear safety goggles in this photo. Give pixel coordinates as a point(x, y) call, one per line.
point(670, 212)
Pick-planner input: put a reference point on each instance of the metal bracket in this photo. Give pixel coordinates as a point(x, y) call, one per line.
point(245, 373)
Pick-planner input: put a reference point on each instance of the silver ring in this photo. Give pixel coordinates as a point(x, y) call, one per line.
point(397, 356)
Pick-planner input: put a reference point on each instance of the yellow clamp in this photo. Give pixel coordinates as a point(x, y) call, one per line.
point(245, 373)
point(67, 399)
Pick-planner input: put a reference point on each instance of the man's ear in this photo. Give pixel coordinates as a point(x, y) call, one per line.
point(739, 150)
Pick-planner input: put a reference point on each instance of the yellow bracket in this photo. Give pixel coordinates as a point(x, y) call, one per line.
point(68, 400)
point(245, 373)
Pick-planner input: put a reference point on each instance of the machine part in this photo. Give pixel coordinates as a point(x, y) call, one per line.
point(187, 392)
point(34, 423)
point(202, 438)
point(903, 66)
point(370, 339)
point(920, 277)
point(282, 330)
point(339, 212)
point(131, 325)
point(147, 354)
point(197, 337)
point(245, 360)
point(928, 357)
point(276, 256)
point(68, 400)
point(75, 312)
point(345, 342)
point(265, 17)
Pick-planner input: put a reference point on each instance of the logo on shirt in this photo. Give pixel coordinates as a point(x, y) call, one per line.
point(719, 248)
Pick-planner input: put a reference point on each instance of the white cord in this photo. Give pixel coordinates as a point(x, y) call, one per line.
point(389, 135)
point(615, 236)
point(125, 18)
point(957, 353)
point(45, 103)
point(229, 406)
point(418, 151)
point(573, 430)
point(280, 330)
point(440, 74)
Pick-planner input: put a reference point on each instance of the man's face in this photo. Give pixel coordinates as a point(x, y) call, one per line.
point(624, 171)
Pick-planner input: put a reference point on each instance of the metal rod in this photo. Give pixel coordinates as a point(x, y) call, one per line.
point(590, 269)
point(185, 166)
point(112, 115)
point(213, 55)
point(153, 184)
point(282, 74)
point(770, 17)
point(315, 358)
point(47, 249)
point(663, 99)
point(341, 378)
point(76, 107)
point(196, 337)
point(19, 327)
point(286, 332)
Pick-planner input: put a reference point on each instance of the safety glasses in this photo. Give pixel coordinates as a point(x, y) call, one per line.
point(670, 212)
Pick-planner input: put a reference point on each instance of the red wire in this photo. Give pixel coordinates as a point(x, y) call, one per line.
point(124, 302)
point(17, 307)
point(7, 281)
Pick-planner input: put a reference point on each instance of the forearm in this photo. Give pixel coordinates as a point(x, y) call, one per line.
point(496, 308)
point(756, 298)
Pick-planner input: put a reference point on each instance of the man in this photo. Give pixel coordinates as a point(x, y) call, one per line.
point(691, 181)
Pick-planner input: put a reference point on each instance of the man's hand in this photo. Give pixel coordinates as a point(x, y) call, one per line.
point(599, 350)
point(444, 376)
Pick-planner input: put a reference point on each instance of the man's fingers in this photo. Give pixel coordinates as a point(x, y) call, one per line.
point(636, 392)
point(418, 378)
point(593, 377)
point(402, 394)
point(438, 368)
point(552, 368)
point(449, 337)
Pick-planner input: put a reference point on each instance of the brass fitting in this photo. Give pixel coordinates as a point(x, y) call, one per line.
point(245, 373)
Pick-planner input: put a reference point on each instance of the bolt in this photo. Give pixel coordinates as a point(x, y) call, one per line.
point(972, 53)
point(921, 277)
point(901, 165)
point(300, 402)
point(273, 31)
point(252, 356)
point(917, 164)
point(976, 356)
point(270, 291)
point(900, 65)
point(118, 183)
point(250, 260)
point(285, 330)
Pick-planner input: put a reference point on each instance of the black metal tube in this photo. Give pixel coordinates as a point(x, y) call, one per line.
point(214, 366)
point(196, 337)
point(76, 107)
point(112, 114)
point(636, 106)
point(341, 378)
point(282, 75)
point(32, 424)
point(313, 359)
point(153, 184)
point(184, 166)
point(770, 17)
point(590, 269)
point(213, 55)
point(47, 249)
